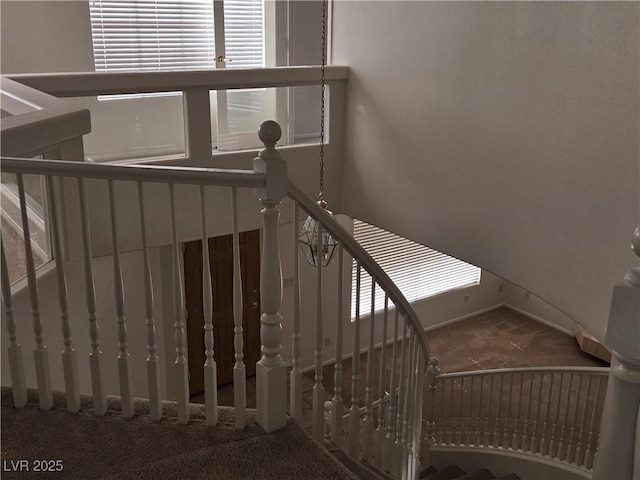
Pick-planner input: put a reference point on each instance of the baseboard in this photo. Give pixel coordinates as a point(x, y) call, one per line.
point(539, 319)
point(464, 317)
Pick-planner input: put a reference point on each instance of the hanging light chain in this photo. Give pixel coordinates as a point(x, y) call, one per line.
point(322, 96)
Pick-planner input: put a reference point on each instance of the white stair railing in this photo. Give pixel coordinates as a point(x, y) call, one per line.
point(550, 412)
point(112, 175)
point(386, 437)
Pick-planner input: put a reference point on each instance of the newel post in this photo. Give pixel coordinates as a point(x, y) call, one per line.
point(271, 372)
point(618, 438)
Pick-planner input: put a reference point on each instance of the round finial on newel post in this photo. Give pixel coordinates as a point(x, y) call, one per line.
point(633, 276)
point(269, 133)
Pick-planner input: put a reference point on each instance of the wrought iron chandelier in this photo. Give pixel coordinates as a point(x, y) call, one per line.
point(308, 237)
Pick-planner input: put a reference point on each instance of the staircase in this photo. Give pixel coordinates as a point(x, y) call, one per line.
point(453, 472)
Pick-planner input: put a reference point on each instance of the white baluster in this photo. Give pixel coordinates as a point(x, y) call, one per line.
point(487, 419)
point(432, 380)
point(389, 444)
point(469, 429)
point(354, 412)
point(126, 387)
point(69, 362)
point(271, 372)
point(381, 431)
point(562, 440)
point(525, 432)
point(295, 376)
point(553, 448)
point(337, 405)
point(153, 363)
point(505, 436)
point(181, 363)
point(543, 440)
point(239, 368)
point(534, 429)
point(318, 388)
point(579, 458)
point(406, 426)
point(99, 397)
point(367, 423)
point(16, 362)
point(589, 452)
point(40, 353)
point(517, 422)
point(396, 464)
point(449, 424)
point(210, 368)
point(570, 450)
point(476, 435)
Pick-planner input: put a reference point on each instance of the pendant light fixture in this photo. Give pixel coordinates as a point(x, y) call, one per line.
point(308, 237)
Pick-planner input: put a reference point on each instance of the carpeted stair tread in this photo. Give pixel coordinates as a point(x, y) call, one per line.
point(110, 448)
point(482, 474)
point(362, 470)
point(448, 473)
point(428, 471)
point(511, 476)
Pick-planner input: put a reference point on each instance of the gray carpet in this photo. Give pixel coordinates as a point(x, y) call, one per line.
point(113, 448)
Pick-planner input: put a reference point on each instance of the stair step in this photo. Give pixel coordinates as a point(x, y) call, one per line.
point(511, 476)
point(482, 474)
point(428, 471)
point(448, 473)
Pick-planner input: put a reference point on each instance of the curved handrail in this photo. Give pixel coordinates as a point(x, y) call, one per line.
point(498, 371)
point(369, 264)
point(143, 173)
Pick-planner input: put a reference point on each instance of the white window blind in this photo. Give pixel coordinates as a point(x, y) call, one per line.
point(418, 271)
point(244, 33)
point(152, 34)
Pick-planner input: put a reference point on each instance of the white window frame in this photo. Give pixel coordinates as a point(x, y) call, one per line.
point(216, 58)
point(419, 272)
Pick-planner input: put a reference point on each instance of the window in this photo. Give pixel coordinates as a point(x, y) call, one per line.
point(170, 35)
point(418, 271)
point(161, 35)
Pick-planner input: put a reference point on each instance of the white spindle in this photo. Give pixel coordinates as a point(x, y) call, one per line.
point(337, 405)
point(469, 429)
point(579, 458)
point(354, 412)
point(271, 372)
point(69, 362)
point(487, 431)
point(389, 444)
point(562, 440)
point(450, 427)
point(239, 368)
point(381, 431)
point(476, 435)
point(590, 451)
point(553, 448)
point(153, 363)
point(396, 465)
point(524, 446)
point(406, 426)
point(518, 411)
point(99, 397)
point(507, 420)
point(41, 357)
point(574, 421)
point(210, 368)
point(16, 362)
point(181, 363)
point(534, 429)
point(367, 423)
point(295, 376)
point(543, 439)
point(318, 388)
point(126, 387)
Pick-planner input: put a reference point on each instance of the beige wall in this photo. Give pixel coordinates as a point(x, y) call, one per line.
point(502, 133)
point(45, 36)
